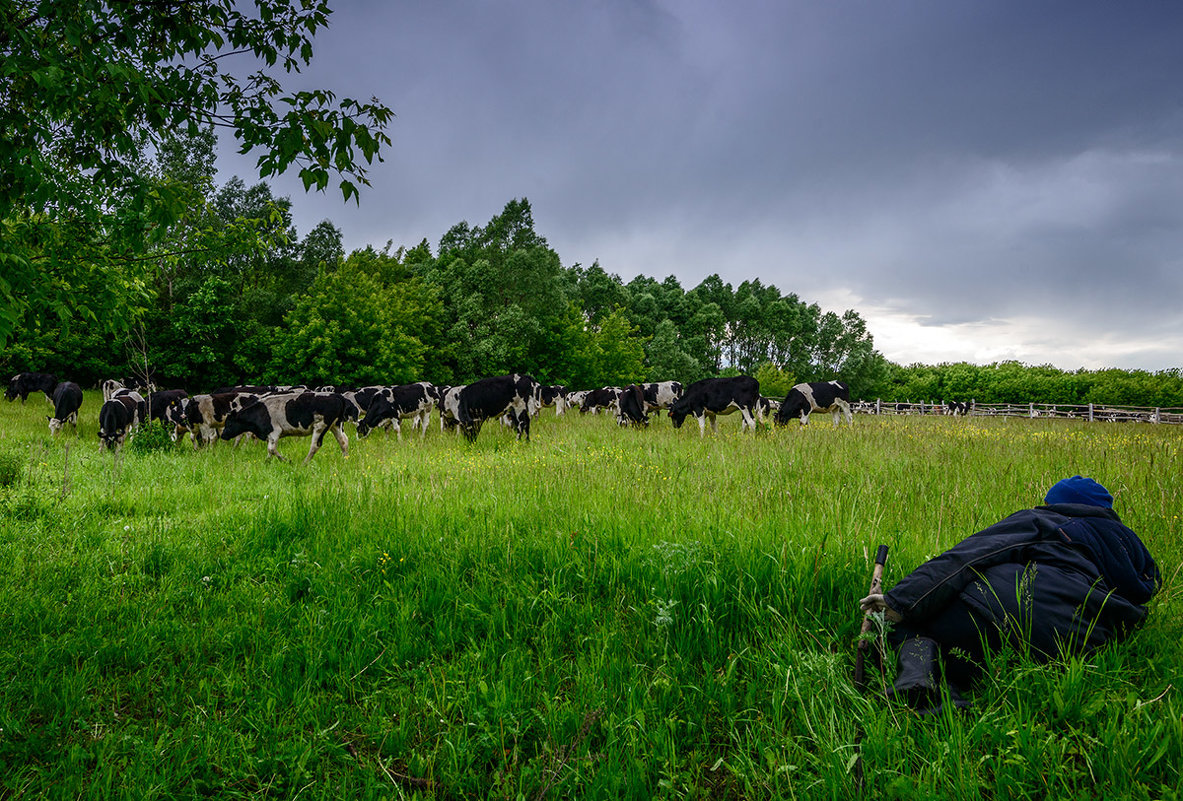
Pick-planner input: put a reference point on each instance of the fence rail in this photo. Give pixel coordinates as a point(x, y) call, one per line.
point(1092, 412)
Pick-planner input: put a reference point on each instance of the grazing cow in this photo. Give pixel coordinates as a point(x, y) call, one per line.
point(552, 395)
point(574, 400)
point(67, 399)
point(603, 398)
point(492, 397)
point(956, 408)
point(109, 387)
point(204, 416)
point(449, 405)
point(21, 384)
point(398, 403)
point(138, 383)
point(661, 395)
point(291, 414)
point(158, 402)
point(360, 399)
point(118, 416)
point(766, 407)
point(631, 407)
point(714, 396)
point(821, 396)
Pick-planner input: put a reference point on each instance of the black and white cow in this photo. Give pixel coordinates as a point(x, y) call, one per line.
point(111, 385)
point(67, 399)
point(820, 396)
point(631, 409)
point(490, 398)
point(602, 398)
point(21, 384)
point(661, 395)
point(552, 395)
point(120, 415)
point(360, 399)
point(714, 396)
point(395, 404)
point(290, 414)
point(204, 416)
point(574, 400)
point(956, 408)
point(449, 406)
point(766, 407)
point(158, 402)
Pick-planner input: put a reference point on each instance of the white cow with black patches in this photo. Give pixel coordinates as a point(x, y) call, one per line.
point(291, 414)
point(820, 396)
point(449, 405)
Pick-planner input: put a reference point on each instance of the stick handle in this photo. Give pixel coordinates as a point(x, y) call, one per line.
point(868, 623)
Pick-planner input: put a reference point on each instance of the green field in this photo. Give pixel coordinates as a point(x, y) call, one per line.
point(599, 613)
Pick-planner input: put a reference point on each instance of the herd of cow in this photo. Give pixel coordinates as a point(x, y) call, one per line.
point(271, 412)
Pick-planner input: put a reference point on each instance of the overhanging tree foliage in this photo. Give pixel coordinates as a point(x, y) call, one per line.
point(87, 86)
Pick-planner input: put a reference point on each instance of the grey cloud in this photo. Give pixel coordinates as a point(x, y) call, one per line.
point(952, 161)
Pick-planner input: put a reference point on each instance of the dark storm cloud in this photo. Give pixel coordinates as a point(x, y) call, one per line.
point(940, 166)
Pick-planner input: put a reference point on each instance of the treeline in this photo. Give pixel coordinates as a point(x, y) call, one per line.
point(234, 294)
point(1013, 382)
point(231, 293)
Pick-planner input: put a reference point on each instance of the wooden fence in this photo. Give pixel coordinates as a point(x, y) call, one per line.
point(1092, 412)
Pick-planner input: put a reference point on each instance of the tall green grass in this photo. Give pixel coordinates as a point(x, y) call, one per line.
point(598, 613)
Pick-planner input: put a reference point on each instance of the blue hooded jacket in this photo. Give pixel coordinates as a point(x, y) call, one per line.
point(1067, 577)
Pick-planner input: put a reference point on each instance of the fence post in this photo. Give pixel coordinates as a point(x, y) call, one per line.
point(878, 406)
point(1090, 413)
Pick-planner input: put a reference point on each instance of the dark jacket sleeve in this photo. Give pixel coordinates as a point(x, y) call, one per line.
point(928, 589)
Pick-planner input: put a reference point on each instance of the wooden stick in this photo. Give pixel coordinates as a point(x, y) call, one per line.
point(864, 643)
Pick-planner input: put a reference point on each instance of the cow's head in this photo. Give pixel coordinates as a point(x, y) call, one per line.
point(793, 406)
point(470, 429)
point(254, 419)
point(113, 439)
point(55, 425)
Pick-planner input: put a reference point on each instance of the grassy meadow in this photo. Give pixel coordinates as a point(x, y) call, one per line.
point(597, 614)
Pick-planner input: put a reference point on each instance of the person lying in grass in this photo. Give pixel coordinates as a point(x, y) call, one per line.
point(1060, 579)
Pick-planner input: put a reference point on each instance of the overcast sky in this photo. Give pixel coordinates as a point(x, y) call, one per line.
point(979, 180)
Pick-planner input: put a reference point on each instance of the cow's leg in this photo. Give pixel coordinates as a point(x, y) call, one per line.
point(396, 424)
point(524, 424)
point(714, 422)
point(804, 417)
point(749, 420)
point(424, 421)
point(702, 424)
point(273, 447)
point(342, 438)
point(318, 435)
point(846, 412)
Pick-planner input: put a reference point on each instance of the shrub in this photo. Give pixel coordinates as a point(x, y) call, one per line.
point(151, 438)
point(10, 469)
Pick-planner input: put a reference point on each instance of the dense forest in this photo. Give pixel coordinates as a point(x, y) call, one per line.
point(233, 294)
